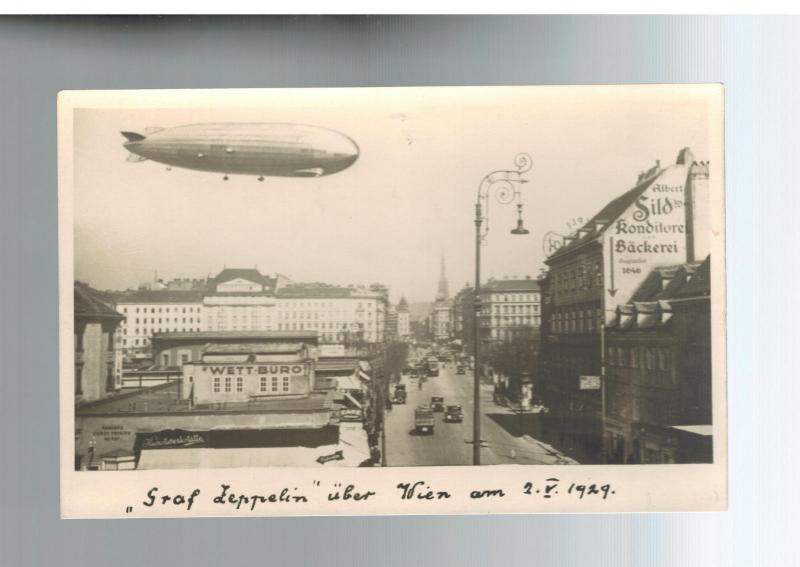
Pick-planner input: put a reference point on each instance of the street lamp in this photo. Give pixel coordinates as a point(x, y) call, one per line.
point(505, 184)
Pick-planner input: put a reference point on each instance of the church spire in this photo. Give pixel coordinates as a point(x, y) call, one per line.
point(443, 292)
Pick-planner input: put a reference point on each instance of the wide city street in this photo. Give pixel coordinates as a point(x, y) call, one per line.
point(451, 443)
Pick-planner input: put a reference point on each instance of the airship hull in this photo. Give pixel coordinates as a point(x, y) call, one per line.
point(262, 149)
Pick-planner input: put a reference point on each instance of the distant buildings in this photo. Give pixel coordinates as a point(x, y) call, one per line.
point(148, 312)
point(246, 300)
point(510, 309)
point(239, 300)
point(403, 320)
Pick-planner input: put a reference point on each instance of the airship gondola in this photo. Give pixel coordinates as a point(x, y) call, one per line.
point(261, 149)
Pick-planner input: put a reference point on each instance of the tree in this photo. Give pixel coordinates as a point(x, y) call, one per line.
point(515, 357)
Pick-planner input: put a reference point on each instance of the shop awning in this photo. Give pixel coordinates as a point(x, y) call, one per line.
point(352, 444)
point(352, 400)
point(349, 382)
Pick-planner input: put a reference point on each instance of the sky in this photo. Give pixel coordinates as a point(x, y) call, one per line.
point(407, 200)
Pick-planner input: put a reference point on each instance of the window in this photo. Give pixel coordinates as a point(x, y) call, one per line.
point(285, 383)
point(239, 384)
point(228, 381)
point(634, 357)
point(274, 385)
point(663, 359)
point(165, 359)
point(216, 384)
point(184, 358)
point(263, 385)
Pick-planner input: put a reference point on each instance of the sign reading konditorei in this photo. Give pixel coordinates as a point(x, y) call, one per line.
point(651, 232)
point(270, 352)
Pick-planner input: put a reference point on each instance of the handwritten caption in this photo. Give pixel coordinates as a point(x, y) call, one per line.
point(227, 496)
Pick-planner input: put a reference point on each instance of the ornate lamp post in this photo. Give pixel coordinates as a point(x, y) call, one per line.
point(505, 184)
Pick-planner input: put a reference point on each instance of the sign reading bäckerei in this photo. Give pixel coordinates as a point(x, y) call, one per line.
point(651, 232)
point(254, 369)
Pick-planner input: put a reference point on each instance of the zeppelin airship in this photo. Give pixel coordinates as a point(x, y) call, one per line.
point(259, 149)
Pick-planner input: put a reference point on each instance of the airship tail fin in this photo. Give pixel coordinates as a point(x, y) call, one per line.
point(134, 158)
point(133, 136)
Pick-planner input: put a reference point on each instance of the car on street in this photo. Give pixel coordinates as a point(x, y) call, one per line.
point(423, 420)
point(437, 403)
point(460, 369)
point(453, 414)
point(400, 394)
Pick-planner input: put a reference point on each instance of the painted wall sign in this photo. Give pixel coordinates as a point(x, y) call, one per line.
point(173, 439)
point(650, 233)
point(259, 369)
point(590, 382)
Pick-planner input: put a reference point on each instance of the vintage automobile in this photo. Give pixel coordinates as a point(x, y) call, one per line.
point(453, 414)
point(400, 394)
point(423, 420)
point(437, 403)
point(460, 369)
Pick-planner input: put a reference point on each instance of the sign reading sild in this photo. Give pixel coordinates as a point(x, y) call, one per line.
point(174, 439)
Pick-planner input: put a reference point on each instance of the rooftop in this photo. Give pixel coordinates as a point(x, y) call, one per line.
point(165, 398)
point(91, 304)
point(161, 296)
point(234, 335)
point(253, 348)
point(651, 304)
point(527, 284)
point(249, 274)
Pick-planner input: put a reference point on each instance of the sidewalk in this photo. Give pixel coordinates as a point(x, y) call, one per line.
point(525, 428)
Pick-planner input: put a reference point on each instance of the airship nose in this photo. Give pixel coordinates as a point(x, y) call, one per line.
point(133, 136)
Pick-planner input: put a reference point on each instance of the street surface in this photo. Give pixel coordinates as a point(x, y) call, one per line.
point(451, 443)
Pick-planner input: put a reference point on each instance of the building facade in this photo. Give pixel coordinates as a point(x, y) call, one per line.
point(403, 320)
point(246, 300)
point(341, 315)
point(239, 300)
point(662, 220)
point(658, 369)
point(98, 359)
point(148, 312)
point(510, 309)
point(237, 390)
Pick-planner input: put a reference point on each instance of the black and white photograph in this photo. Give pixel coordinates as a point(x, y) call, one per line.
point(299, 281)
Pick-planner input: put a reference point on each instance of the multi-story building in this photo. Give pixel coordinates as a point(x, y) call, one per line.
point(463, 317)
point(98, 361)
point(239, 300)
point(246, 300)
point(236, 390)
point(510, 309)
point(346, 315)
point(662, 220)
point(658, 370)
point(403, 320)
point(148, 312)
